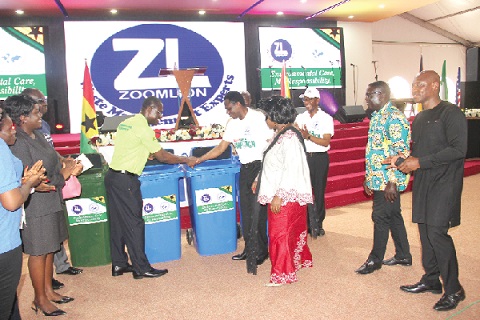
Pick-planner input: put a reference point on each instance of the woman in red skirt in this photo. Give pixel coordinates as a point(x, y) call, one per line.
point(284, 186)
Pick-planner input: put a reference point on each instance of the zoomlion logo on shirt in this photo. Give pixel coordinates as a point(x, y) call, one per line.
point(244, 144)
point(123, 127)
point(125, 67)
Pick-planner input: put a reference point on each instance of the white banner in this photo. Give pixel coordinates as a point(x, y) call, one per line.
point(213, 200)
point(86, 210)
point(127, 57)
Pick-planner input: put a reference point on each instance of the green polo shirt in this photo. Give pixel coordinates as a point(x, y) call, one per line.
point(134, 142)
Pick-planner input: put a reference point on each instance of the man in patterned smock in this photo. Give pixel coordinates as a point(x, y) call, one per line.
point(388, 135)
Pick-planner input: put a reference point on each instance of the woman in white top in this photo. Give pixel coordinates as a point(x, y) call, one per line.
point(284, 186)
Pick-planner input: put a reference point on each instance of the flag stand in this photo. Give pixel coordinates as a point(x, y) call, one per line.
point(184, 80)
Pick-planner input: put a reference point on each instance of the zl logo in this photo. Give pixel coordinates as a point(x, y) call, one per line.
point(126, 67)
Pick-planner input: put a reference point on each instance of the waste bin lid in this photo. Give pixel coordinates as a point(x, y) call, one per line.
point(209, 165)
point(162, 168)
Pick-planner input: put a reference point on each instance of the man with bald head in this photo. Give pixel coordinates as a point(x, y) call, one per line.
point(439, 146)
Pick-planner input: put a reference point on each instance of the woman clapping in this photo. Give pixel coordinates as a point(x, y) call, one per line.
point(14, 191)
point(45, 226)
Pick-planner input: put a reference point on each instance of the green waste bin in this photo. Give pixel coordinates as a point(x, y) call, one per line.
point(87, 218)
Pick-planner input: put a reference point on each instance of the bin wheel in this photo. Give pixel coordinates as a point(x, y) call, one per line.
point(239, 231)
point(189, 236)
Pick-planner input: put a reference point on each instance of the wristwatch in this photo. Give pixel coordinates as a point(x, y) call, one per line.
point(308, 137)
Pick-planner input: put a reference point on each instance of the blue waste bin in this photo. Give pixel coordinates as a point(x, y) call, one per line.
point(212, 192)
point(161, 211)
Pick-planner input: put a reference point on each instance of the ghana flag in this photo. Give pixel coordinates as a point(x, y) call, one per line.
point(89, 118)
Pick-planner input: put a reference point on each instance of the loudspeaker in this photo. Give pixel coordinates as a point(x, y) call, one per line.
point(473, 64)
point(470, 95)
point(348, 114)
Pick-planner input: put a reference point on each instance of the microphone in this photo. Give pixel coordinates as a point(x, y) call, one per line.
point(374, 61)
point(304, 77)
point(338, 61)
point(353, 65)
point(331, 62)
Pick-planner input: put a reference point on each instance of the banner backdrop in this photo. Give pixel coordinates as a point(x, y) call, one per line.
point(130, 61)
point(312, 56)
point(22, 60)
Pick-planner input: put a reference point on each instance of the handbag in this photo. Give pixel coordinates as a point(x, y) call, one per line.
point(72, 188)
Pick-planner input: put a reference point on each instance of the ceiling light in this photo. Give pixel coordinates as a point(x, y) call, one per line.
point(303, 1)
point(351, 17)
point(113, 11)
point(280, 13)
point(381, 6)
point(19, 11)
point(202, 12)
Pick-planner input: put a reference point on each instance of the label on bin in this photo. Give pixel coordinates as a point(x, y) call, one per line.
point(86, 210)
point(213, 200)
point(160, 209)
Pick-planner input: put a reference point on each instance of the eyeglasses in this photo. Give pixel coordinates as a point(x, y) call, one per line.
point(40, 101)
point(369, 94)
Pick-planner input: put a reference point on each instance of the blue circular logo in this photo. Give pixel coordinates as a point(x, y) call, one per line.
point(125, 68)
point(148, 208)
point(281, 50)
point(94, 207)
point(206, 198)
point(77, 209)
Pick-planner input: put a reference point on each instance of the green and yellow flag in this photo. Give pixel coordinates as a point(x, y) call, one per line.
point(89, 118)
point(443, 82)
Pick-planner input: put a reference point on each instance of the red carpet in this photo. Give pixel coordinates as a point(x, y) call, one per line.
point(345, 176)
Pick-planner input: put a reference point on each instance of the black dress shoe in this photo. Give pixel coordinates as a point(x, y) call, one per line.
point(450, 301)
point(55, 313)
point(393, 261)
point(72, 271)
point(64, 299)
point(420, 287)
point(57, 284)
point(118, 271)
point(241, 256)
point(262, 259)
point(152, 273)
point(368, 267)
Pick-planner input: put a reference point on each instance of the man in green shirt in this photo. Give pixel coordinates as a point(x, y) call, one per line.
point(134, 143)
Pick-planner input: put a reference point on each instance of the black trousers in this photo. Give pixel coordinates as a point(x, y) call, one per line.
point(10, 271)
point(127, 227)
point(318, 163)
point(439, 257)
point(248, 173)
point(387, 218)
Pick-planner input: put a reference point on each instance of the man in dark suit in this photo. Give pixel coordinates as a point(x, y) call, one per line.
point(439, 146)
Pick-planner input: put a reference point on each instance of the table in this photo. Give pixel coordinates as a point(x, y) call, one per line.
point(473, 147)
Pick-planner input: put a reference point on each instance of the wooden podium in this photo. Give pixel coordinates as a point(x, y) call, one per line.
point(184, 80)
